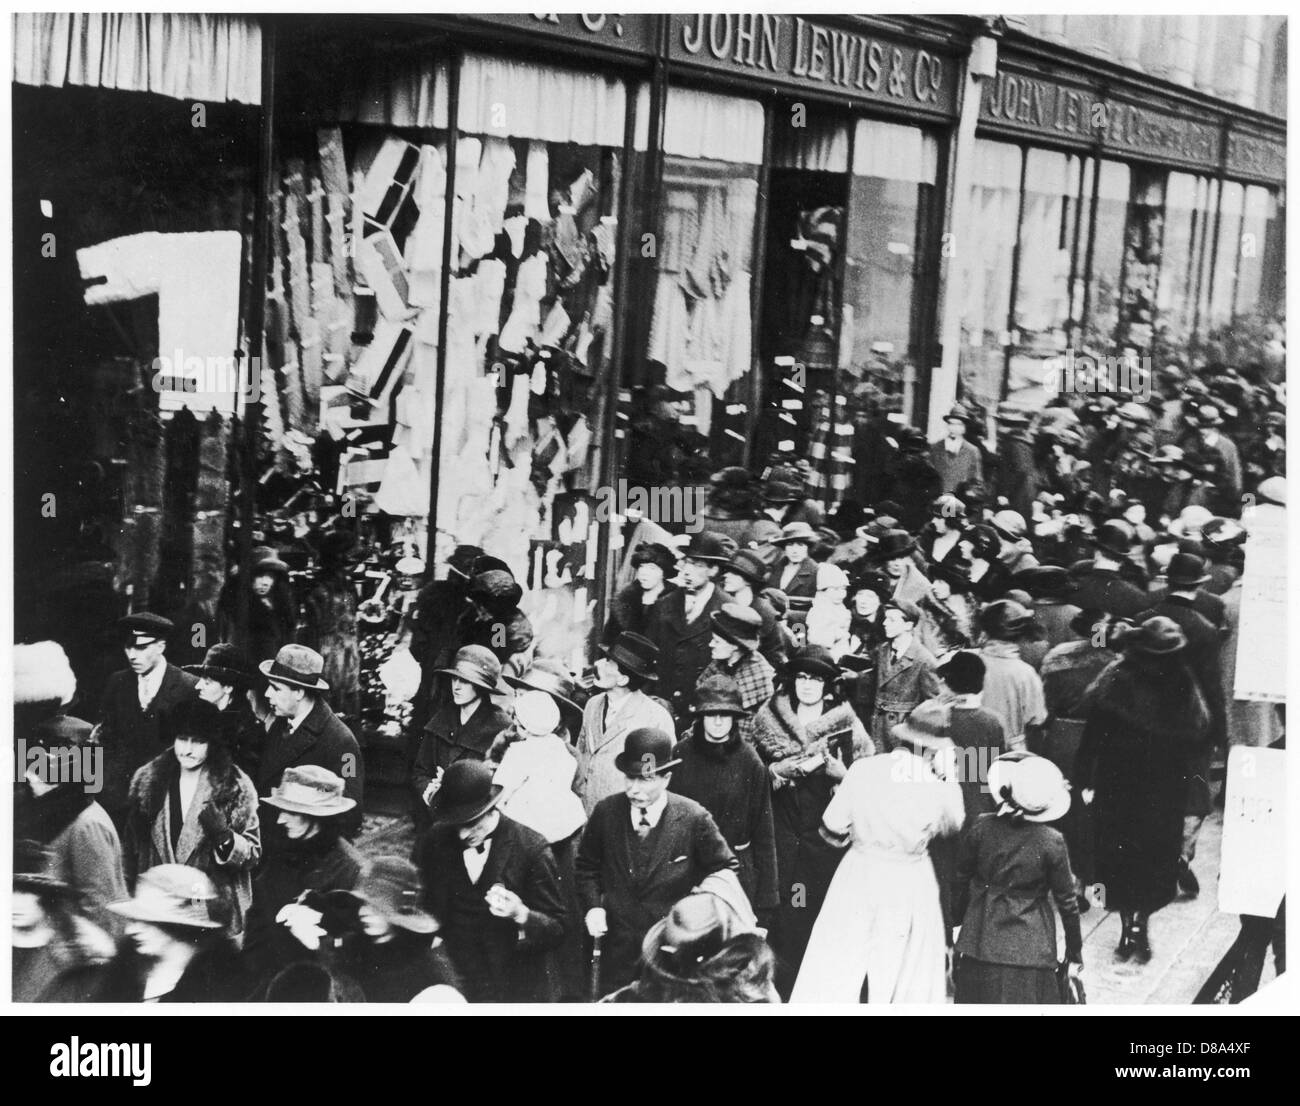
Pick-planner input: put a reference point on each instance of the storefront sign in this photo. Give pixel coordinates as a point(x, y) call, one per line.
point(1251, 155)
point(803, 54)
point(633, 34)
point(1051, 109)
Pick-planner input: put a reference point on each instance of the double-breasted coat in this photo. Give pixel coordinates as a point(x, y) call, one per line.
point(900, 684)
point(323, 739)
point(602, 737)
point(683, 646)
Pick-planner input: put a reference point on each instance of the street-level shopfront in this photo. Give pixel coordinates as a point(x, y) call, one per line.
point(1107, 219)
point(515, 264)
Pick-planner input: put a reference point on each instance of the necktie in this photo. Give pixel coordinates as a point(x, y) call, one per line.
point(643, 826)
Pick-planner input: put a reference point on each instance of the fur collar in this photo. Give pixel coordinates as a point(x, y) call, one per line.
point(157, 775)
point(778, 733)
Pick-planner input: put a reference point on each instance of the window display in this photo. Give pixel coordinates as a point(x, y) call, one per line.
point(1260, 210)
point(1186, 220)
point(1109, 239)
point(1224, 278)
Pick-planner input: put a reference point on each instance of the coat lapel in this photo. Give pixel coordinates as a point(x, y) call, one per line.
point(905, 664)
point(191, 833)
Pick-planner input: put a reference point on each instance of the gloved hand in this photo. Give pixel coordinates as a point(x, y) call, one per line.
point(214, 824)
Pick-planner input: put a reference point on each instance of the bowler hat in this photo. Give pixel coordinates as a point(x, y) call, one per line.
point(194, 718)
point(225, 664)
point(1114, 537)
point(892, 544)
point(718, 694)
point(739, 624)
point(477, 665)
point(1186, 571)
point(172, 895)
point(312, 790)
point(926, 727)
point(812, 660)
point(391, 886)
point(646, 752)
point(551, 677)
point(1030, 786)
point(655, 553)
point(710, 547)
point(797, 531)
point(145, 626)
point(635, 654)
point(467, 793)
point(749, 566)
point(1157, 636)
point(297, 666)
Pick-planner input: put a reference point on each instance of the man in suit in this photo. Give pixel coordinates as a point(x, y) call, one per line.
point(641, 852)
point(1103, 585)
point(306, 731)
point(679, 624)
point(135, 704)
point(904, 674)
point(494, 887)
point(953, 457)
point(795, 572)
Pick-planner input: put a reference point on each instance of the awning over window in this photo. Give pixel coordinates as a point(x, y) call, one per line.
point(188, 57)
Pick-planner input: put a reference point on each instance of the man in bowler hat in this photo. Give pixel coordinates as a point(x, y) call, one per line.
point(135, 704)
point(641, 852)
point(493, 885)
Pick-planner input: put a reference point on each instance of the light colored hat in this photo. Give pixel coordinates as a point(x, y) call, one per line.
point(1030, 786)
point(42, 674)
point(536, 712)
point(1273, 490)
point(173, 895)
point(1190, 521)
point(312, 790)
point(296, 666)
point(831, 576)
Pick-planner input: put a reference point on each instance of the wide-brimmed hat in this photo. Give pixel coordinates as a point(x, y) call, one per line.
point(926, 727)
point(477, 665)
point(496, 590)
point(710, 547)
point(1010, 524)
point(784, 484)
point(312, 790)
point(694, 931)
point(225, 664)
point(655, 553)
point(536, 712)
point(1158, 636)
point(467, 793)
point(172, 895)
point(892, 544)
point(297, 666)
point(550, 676)
point(266, 559)
point(391, 886)
point(739, 624)
point(646, 752)
point(797, 531)
point(145, 626)
point(1186, 570)
point(62, 731)
point(1224, 533)
point(1006, 619)
point(1046, 581)
point(633, 653)
point(718, 694)
point(749, 566)
point(1031, 786)
point(34, 869)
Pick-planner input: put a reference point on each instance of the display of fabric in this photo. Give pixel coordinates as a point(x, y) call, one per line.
point(831, 451)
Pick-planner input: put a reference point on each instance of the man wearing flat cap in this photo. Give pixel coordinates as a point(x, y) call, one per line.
point(493, 885)
point(641, 852)
point(952, 456)
point(306, 731)
point(904, 674)
point(135, 705)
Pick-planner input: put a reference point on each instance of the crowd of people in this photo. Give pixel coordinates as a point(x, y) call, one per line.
point(877, 756)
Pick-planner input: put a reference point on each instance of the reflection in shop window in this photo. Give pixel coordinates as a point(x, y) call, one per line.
point(1260, 210)
point(984, 255)
point(1107, 257)
point(1224, 276)
point(1186, 221)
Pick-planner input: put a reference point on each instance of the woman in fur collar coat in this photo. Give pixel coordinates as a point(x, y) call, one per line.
point(807, 740)
point(190, 805)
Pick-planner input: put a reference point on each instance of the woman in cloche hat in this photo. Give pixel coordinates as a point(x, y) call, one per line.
point(1146, 719)
point(191, 805)
point(1008, 865)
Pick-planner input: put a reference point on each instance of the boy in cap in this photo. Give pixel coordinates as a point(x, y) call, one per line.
point(135, 705)
point(904, 673)
point(641, 852)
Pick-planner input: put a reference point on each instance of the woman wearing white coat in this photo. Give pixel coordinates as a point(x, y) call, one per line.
point(881, 926)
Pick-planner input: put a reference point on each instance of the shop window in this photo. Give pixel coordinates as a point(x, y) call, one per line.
point(1259, 212)
point(890, 195)
point(1187, 217)
point(1205, 250)
point(1224, 276)
point(1143, 251)
point(691, 413)
point(1109, 232)
point(1047, 242)
point(984, 252)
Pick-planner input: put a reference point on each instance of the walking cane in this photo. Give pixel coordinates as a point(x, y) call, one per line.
point(595, 969)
